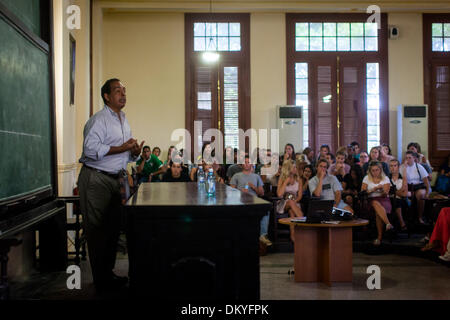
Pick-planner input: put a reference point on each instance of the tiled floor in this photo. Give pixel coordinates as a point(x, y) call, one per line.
point(402, 277)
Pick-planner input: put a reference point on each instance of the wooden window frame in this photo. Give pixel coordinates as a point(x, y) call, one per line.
point(242, 56)
point(436, 158)
point(380, 56)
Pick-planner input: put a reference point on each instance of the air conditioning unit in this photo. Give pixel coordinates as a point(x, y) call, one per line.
point(412, 126)
point(290, 126)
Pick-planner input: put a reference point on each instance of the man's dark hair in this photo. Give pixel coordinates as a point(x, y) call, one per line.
point(325, 146)
point(416, 145)
point(320, 161)
point(106, 88)
point(146, 147)
point(354, 143)
point(415, 155)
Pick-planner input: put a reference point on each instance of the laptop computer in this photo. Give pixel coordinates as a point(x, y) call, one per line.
point(319, 210)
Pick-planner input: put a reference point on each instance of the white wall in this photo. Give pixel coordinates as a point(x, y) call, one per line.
point(405, 67)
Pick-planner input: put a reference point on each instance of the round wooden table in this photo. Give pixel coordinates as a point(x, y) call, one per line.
point(323, 252)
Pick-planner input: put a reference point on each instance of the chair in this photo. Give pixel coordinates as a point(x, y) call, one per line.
point(277, 232)
point(75, 224)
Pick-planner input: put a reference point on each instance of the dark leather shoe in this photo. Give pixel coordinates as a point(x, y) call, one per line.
point(118, 281)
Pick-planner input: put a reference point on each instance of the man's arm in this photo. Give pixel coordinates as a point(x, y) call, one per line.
point(337, 197)
point(318, 190)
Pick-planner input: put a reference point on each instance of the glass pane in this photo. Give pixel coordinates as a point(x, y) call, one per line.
point(211, 29)
point(357, 43)
point(204, 105)
point(223, 44)
point(301, 86)
point(447, 29)
point(329, 29)
point(329, 44)
point(316, 44)
point(199, 44)
point(357, 29)
point(230, 91)
point(222, 29)
point(446, 44)
point(437, 44)
point(211, 44)
point(301, 29)
point(315, 29)
point(301, 44)
point(371, 29)
point(371, 44)
point(230, 74)
point(372, 118)
point(301, 100)
point(235, 29)
point(204, 96)
point(199, 29)
point(343, 29)
point(372, 86)
point(372, 71)
point(343, 44)
point(301, 70)
point(235, 44)
point(373, 102)
point(436, 29)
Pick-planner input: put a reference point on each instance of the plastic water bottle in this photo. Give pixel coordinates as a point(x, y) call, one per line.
point(211, 184)
point(200, 176)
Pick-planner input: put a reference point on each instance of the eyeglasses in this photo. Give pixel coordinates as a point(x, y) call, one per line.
point(362, 156)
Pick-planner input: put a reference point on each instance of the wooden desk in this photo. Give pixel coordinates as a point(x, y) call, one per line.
point(323, 252)
point(182, 244)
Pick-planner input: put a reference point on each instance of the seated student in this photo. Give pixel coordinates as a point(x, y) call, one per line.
point(385, 153)
point(289, 153)
point(374, 155)
point(206, 167)
point(415, 147)
point(250, 182)
point(418, 183)
point(149, 166)
point(268, 167)
point(308, 171)
point(176, 172)
point(309, 153)
point(323, 151)
point(363, 159)
point(330, 158)
point(399, 190)
point(172, 150)
point(235, 168)
point(351, 184)
point(156, 151)
point(356, 150)
point(340, 168)
point(327, 187)
point(443, 179)
point(377, 186)
point(439, 240)
point(290, 189)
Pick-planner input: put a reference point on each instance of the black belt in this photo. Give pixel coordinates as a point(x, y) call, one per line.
point(112, 175)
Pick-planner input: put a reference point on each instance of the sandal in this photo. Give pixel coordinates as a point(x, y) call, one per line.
point(430, 246)
point(376, 242)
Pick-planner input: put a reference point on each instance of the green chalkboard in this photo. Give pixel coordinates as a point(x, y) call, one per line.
point(28, 11)
point(25, 120)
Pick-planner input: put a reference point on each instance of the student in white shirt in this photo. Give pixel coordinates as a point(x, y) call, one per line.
point(377, 185)
point(418, 183)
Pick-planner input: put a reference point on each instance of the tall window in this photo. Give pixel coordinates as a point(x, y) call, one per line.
point(436, 53)
point(217, 93)
point(337, 72)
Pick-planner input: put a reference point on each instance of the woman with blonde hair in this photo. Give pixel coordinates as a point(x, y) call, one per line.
point(291, 190)
point(377, 186)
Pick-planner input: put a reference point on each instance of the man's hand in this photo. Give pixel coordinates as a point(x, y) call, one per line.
point(136, 148)
point(129, 145)
point(251, 185)
point(321, 173)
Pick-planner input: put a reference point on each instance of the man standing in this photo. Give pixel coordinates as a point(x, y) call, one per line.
point(250, 182)
point(107, 148)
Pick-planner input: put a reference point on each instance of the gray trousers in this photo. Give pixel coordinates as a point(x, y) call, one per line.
point(100, 204)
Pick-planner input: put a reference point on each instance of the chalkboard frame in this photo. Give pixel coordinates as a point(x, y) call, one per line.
point(32, 200)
